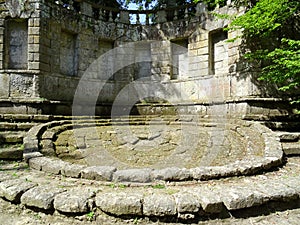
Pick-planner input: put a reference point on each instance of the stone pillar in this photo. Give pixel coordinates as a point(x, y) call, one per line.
point(161, 16)
point(86, 9)
point(2, 43)
point(124, 17)
point(200, 8)
point(34, 43)
point(199, 54)
point(161, 59)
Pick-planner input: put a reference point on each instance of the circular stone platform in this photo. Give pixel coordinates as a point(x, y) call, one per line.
point(158, 146)
point(145, 150)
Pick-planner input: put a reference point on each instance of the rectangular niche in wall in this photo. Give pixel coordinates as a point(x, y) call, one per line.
point(179, 50)
point(143, 60)
point(218, 52)
point(16, 44)
point(68, 53)
point(107, 60)
point(105, 45)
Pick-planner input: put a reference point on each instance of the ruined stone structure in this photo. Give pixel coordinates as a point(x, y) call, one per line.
point(47, 47)
point(61, 58)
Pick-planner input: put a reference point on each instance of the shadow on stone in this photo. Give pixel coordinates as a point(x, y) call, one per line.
point(266, 209)
point(36, 209)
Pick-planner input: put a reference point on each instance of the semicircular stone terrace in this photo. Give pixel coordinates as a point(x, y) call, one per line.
point(146, 149)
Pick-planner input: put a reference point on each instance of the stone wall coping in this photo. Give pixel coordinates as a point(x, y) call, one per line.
point(16, 71)
point(194, 102)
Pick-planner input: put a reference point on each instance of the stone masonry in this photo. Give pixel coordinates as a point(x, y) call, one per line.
point(48, 47)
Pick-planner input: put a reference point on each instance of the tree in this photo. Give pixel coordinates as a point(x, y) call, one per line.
point(271, 29)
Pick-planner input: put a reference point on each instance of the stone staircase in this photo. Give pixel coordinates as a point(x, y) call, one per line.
point(290, 142)
point(13, 128)
point(289, 134)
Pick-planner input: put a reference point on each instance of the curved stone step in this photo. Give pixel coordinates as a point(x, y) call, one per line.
point(283, 126)
point(167, 200)
point(5, 126)
point(11, 153)
point(288, 136)
point(12, 137)
point(25, 117)
point(291, 148)
point(132, 202)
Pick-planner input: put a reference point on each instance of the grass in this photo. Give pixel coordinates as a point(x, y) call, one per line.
point(135, 221)
point(172, 191)
point(158, 186)
point(90, 216)
point(37, 216)
point(15, 175)
point(117, 186)
point(22, 147)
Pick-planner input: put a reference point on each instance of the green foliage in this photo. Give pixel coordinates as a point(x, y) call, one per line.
point(113, 185)
point(272, 34)
point(284, 67)
point(158, 186)
point(265, 17)
point(90, 216)
point(136, 221)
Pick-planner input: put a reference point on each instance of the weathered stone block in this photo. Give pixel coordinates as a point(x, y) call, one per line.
point(159, 205)
point(40, 197)
point(210, 200)
point(53, 166)
point(133, 175)
point(31, 145)
point(277, 191)
point(11, 153)
point(34, 65)
point(294, 183)
point(12, 190)
point(240, 197)
point(30, 155)
point(21, 86)
point(72, 170)
point(86, 9)
point(4, 86)
point(120, 203)
point(187, 203)
point(171, 174)
point(46, 143)
point(37, 162)
point(34, 30)
point(74, 201)
point(102, 173)
point(291, 148)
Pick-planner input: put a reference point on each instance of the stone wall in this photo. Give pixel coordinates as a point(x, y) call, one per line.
point(47, 49)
